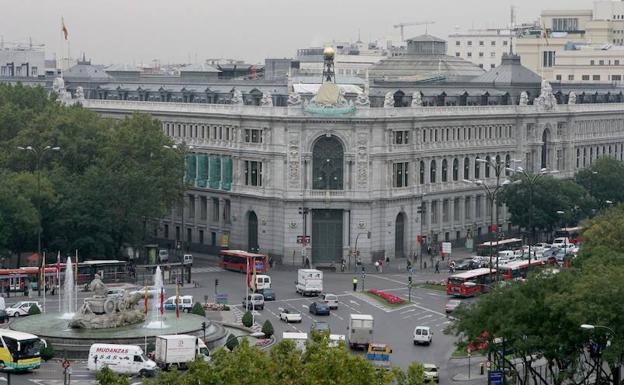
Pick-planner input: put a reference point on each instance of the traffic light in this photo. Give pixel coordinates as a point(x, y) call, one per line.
point(216, 281)
point(204, 325)
point(409, 279)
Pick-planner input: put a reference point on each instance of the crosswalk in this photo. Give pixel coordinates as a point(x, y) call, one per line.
point(209, 269)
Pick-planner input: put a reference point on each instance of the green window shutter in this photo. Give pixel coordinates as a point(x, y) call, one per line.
point(226, 183)
point(191, 168)
point(202, 170)
point(215, 172)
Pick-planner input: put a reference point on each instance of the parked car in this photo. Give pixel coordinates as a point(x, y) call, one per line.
point(320, 326)
point(289, 315)
point(20, 309)
point(253, 302)
point(431, 373)
point(319, 308)
point(467, 264)
point(4, 316)
point(331, 300)
point(422, 335)
point(451, 305)
point(268, 294)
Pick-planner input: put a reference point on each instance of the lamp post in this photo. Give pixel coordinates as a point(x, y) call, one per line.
point(421, 210)
point(39, 152)
point(492, 195)
point(368, 235)
point(530, 179)
point(616, 373)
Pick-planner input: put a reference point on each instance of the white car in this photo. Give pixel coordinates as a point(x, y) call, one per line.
point(422, 335)
point(331, 300)
point(20, 309)
point(431, 373)
point(289, 315)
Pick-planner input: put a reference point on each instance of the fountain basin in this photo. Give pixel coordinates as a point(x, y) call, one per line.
point(75, 343)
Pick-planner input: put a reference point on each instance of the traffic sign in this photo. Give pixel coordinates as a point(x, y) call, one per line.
point(65, 364)
point(221, 298)
point(495, 377)
point(446, 248)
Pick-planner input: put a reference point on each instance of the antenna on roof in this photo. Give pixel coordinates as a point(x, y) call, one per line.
point(511, 28)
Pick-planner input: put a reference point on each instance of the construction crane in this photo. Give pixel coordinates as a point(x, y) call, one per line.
point(403, 25)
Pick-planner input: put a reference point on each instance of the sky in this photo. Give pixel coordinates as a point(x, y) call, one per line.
point(182, 31)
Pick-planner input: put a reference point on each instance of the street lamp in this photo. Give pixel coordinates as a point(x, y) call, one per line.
point(421, 210)
point(492, 195)
point(39, 152)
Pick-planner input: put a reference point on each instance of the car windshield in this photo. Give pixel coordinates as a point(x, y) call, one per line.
point(16, 305)
point(321, 306)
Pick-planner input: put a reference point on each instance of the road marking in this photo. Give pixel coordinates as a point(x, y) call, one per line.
point(434, 294)
point(388, 279)
point(425, 316)
point(354, 302)
point(336, 315)
point(408, 311)
point(305, 306)
point(196, 270)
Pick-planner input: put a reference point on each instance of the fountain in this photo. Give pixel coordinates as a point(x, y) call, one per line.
point(155, 320)
point(67, 295)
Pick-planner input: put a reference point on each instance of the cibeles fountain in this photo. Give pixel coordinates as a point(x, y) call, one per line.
point(124, 319)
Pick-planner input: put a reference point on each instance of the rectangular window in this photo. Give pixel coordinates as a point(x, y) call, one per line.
point(456, 217)
point(457, 54)
point(191, 206)
point(570, 77)
point(400, 174)
point(492, 54)
point(596, 77)
point(481, 43)
point(166, 231)
point(253, 136)
point(457, 43)
point(253, 173)
point(215, 209)
point(616, 62)
point(492, 65)
point(478, 206)
point(548, 58)
point(34, 71)
point(564, 24)
point(467, 208)
point(400, 137)
point(213, 238)
point(201, 237)
point(469, 54)
point(445, 211)
point(505, 43)
point(592, 62)
point(585, 77)
point(434, 212)
point(616, 78)
point(189, 235)
point(469, 42)
point(203, 202)
point(493, 43)
point(558, 77)
point(601, 62)
point(227, 209)
point(480, 54)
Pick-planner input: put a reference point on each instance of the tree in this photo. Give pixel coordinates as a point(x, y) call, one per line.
point(603, 239)
point(47, 352)
point(604, 180)
point(107, 377)
point(198, 309)
point(247, 319)
point(34, 310)
point(267, 329)
point(231, 342)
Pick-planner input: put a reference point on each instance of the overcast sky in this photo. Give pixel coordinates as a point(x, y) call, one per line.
point(137, 31)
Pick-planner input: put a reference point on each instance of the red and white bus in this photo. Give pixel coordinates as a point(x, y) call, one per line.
point(238, 260)
point(471, 282)
point(572, 233)
point(489, 248)
point(518, 269)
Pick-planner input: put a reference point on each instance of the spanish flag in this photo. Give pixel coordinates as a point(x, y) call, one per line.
point(64, 28)
point(145, 301)
point(177, 301)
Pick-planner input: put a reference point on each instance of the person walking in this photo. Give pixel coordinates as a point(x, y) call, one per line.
point(377, 266)
point(437, 267)
point(355, 282)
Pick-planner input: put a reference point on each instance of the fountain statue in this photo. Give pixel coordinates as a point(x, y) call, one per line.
point(102, 312)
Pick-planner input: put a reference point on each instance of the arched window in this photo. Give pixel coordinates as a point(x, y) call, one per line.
point(477, 170)
point(455, 170)
point(545, 148)
point(487, 166)
point(432, 171)
point(421, 177)
point(466, 168)
point(444, 170)
point(327, 164)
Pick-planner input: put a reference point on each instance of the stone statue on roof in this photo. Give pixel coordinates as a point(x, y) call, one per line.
point(524, 99)
point(572, 98)
point(58, 87)
point(237, 97)
point(389, 100)
point(80, 93)
point(362, 100)
point(267, 99)
point(294, 99)
point(417, 99)
point(547, 99)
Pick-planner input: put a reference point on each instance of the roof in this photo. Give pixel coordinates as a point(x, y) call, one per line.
point(122, 68)
point(426, 38)
point(198, 68)
point(473, 273)
point(362, 317)
point(91, 72)
point(17, 335)
point(314, 88)
point(510, 71)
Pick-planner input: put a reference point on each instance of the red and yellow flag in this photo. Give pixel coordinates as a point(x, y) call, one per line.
point(64, 28)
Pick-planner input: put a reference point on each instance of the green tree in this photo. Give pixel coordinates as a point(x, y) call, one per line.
point(34, 310)
point(604, 180)
point(47, 352)
point(267, 329)
point(231, 342)
point(198, 309)
point(247, 319)
point(107, 377)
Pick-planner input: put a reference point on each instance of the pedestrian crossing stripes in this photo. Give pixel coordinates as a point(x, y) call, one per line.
point(210, 269)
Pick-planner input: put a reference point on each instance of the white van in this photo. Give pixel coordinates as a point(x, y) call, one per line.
point(185, 303)
point(298, 338)
point(125, 359)
point(163, 255)
point(187, 259)
point(263, 282)
point(422, 335)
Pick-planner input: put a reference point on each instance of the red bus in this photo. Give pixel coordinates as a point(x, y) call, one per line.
point(572, 233)
point(518, 269)
point(490, 248)
point(469, 283)
point(237, 260)
point(17, 279)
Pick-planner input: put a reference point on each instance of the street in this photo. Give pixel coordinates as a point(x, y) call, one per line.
point(393, 326)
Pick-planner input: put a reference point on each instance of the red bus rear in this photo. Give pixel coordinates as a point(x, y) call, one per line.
point(469, 283)
point(238, 260)
point(518, 269)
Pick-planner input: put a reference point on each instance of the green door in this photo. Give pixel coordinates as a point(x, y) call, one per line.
point(326, 236)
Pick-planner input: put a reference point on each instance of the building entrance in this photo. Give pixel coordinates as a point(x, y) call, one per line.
point(326, 236)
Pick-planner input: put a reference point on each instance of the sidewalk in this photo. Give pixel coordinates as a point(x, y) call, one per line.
point(464, 372)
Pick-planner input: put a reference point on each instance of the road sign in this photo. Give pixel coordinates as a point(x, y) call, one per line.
point(65, 364)
point(221, 298)
point(446, 248)
point(303, 240)
point(495, 377)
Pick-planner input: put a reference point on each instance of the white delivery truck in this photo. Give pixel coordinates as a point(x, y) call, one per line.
point(177, 350)
point(298, 338)
point(360, 330)
point(125, 359)
point(309, 282)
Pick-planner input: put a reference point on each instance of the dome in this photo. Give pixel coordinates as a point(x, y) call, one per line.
point(328, 53)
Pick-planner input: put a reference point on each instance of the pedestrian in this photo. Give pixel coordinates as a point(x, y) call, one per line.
point(442, 257)
point(271, 262)
point(377, 266)
point(429, 250)
point(381, 262)
point(437, 267)
point(409, 265)
point(343, 265)
point(307, 263)
point(355, 282)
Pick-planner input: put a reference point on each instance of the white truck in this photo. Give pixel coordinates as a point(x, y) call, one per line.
point(177, 350)
point(125, 359)
point(360, 330)
point(309, 282)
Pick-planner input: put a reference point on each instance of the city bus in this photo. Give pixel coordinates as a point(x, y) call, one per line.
point(518, 269)
point(470, 283)
point(572, 233)
point(20, 351)
point(489, 248)
point(238, 260)
point(18, 279)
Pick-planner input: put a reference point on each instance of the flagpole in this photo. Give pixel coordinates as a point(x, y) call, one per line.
point(58, 278)
point(44, 281)
point(76, 284)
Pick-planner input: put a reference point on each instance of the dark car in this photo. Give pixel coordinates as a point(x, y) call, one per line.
point(467, 264)
point(4, 317)
point(268, 294)
point(319, 308)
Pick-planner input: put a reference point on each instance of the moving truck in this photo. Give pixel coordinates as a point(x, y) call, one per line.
point(177, 350)
point(360, 330)
point(309, 282)
point(125, 359)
